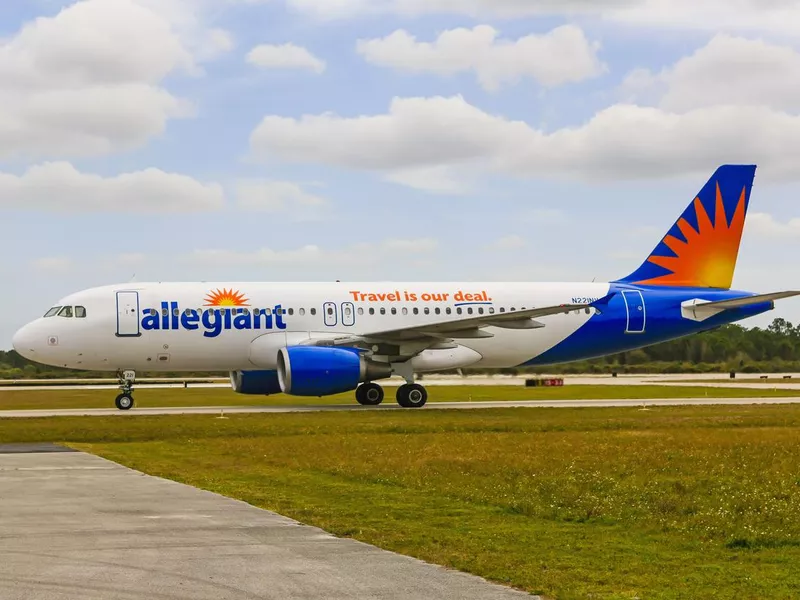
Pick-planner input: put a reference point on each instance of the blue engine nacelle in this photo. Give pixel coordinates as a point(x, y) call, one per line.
point(322, 371)
point(262, 383)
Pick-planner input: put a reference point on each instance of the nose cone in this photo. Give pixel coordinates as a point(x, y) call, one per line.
point(24, 341)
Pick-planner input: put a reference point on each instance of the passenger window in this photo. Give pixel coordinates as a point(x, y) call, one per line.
point(313, 311)
point(66, 312)
point(372, 311)
point(176, 312)
point(438, 310)
point(302, 311)
point(480, 311)
point(383, 311)
point(491, 310)
point(469, 310)
point(502, 309)
point(416, 310)
point(360, 310)
point(53, 311)
point(448, 310)
point(458, 310)
point(291, 311)
point(427, 310)
point(587, 310)
point(405, 310)
point(80, 312)
point(394, 310)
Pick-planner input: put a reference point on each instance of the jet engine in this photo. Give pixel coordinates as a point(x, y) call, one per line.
point(322, 371)
point(261, 383)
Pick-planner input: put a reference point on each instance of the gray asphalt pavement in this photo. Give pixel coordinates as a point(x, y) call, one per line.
point(75, 526)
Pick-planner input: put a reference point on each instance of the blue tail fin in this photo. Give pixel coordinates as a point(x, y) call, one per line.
point(701, 248)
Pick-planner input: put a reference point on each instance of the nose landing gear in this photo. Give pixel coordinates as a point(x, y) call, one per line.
point(124, 400)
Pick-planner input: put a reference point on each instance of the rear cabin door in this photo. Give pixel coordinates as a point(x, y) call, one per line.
point(634, 305)
point(128, 314)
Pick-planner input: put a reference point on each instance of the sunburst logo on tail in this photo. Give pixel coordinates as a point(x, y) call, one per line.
point(225, 297)
point(707, 255)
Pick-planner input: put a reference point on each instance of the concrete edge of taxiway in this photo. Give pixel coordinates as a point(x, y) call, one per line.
point(228, 410)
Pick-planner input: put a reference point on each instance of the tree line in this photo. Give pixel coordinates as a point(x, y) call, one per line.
point(774, 349)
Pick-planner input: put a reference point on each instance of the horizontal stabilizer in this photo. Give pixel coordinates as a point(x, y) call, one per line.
point(700, 310)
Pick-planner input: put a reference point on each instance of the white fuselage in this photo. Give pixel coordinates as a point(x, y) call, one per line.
point(186, 333)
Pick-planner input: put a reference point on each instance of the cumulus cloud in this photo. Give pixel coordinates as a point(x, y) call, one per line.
point(765, 225)
point(285, 56)
point(563, 55)
point(279, 197)
point(87, 80)
point(779, 16)
point(59, 186)
point(358, 255)
point(726, 71)
point(56, 264)
point(623, 141)
point(509, 242)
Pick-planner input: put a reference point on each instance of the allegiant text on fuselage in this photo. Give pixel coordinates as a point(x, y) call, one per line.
point(213, 320)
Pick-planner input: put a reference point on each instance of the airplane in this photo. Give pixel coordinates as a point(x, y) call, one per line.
point(319, 339)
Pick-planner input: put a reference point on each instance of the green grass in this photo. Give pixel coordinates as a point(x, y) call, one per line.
point(180, 397)
point(678, 502)
point(769, 381)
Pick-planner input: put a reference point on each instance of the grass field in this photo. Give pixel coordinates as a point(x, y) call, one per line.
point(768, 381)
point(678, 502)
point(179, 397)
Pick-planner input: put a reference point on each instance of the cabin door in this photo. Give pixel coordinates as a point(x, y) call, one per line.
point(128, 314)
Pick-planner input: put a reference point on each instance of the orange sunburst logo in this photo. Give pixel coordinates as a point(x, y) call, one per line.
point(226, 298)
point(708, 256)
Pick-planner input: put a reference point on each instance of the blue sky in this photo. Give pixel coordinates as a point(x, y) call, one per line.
point(183, 139)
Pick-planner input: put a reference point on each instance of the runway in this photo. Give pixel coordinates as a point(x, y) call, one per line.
point(75, 525)
point(298, 408)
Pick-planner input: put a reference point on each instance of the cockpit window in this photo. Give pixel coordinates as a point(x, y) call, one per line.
point(53, 311)
point(80, 312)
point(65, 312)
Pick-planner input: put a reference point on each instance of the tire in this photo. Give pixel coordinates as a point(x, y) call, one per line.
point(369, 394)
point(124, 402)
point(412, 395)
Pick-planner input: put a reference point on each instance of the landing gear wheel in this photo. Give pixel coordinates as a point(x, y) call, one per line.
point(412, 395)
point(369, 394)
point(124, 402)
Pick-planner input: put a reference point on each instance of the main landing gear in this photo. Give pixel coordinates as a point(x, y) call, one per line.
point(124, 400)
point(409, 395)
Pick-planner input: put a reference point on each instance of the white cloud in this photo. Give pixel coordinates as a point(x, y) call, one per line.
point(356, 256)
point(727, 71)
point(778, 16)
point(278, 196)
point(58, 186)
point(622, 141)
point(86, 81)
point(765, 225)
point(509, 242)
point(285, 56)
point(560, 56)
point(53, 263)
point(436, 179)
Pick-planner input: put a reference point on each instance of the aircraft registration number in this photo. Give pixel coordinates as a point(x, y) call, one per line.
point(583, 300)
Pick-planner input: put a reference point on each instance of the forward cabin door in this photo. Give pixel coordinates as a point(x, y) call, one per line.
point(128, 314)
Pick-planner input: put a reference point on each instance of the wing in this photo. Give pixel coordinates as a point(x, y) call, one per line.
point(407, 341)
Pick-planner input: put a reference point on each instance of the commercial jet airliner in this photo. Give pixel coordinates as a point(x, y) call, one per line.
point(317, 339)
